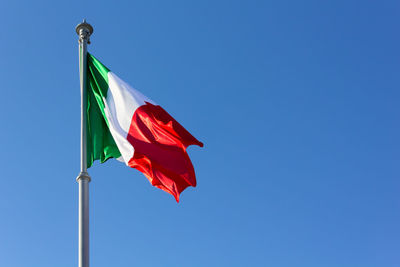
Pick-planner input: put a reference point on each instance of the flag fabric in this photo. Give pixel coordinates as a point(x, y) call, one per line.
point(124, 124)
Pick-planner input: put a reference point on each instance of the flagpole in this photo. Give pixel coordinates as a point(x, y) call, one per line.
point(84, 30)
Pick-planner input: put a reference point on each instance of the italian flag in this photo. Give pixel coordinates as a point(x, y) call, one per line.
point(124, 124)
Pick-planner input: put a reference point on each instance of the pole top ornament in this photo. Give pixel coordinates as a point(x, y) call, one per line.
point(84, 30)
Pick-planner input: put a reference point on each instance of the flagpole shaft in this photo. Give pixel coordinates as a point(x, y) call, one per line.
point(83, 223)
point(84, 30)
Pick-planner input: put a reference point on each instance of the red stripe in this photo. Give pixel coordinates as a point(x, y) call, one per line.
point(160, 144)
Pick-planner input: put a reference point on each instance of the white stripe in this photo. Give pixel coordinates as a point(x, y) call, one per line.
point(120, 105)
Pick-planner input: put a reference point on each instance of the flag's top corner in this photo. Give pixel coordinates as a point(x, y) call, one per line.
point(95, 62)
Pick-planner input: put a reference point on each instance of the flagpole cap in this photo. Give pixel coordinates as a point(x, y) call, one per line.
point(84, 30)
point(84, 26)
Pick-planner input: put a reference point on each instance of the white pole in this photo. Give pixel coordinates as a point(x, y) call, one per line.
point(84, 30)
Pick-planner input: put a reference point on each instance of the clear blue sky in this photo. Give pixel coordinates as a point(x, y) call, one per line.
point(297, 103)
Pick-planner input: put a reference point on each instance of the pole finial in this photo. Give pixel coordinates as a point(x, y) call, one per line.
point(84, 30)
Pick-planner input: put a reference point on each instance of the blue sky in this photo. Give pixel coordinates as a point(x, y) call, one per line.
point(297, 103)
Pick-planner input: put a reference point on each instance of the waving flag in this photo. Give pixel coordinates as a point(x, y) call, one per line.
point(124, 124)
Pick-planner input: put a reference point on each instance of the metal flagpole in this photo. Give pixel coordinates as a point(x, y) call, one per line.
point(84, 30)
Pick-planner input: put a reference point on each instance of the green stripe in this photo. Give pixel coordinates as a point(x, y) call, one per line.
point(100, 143)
